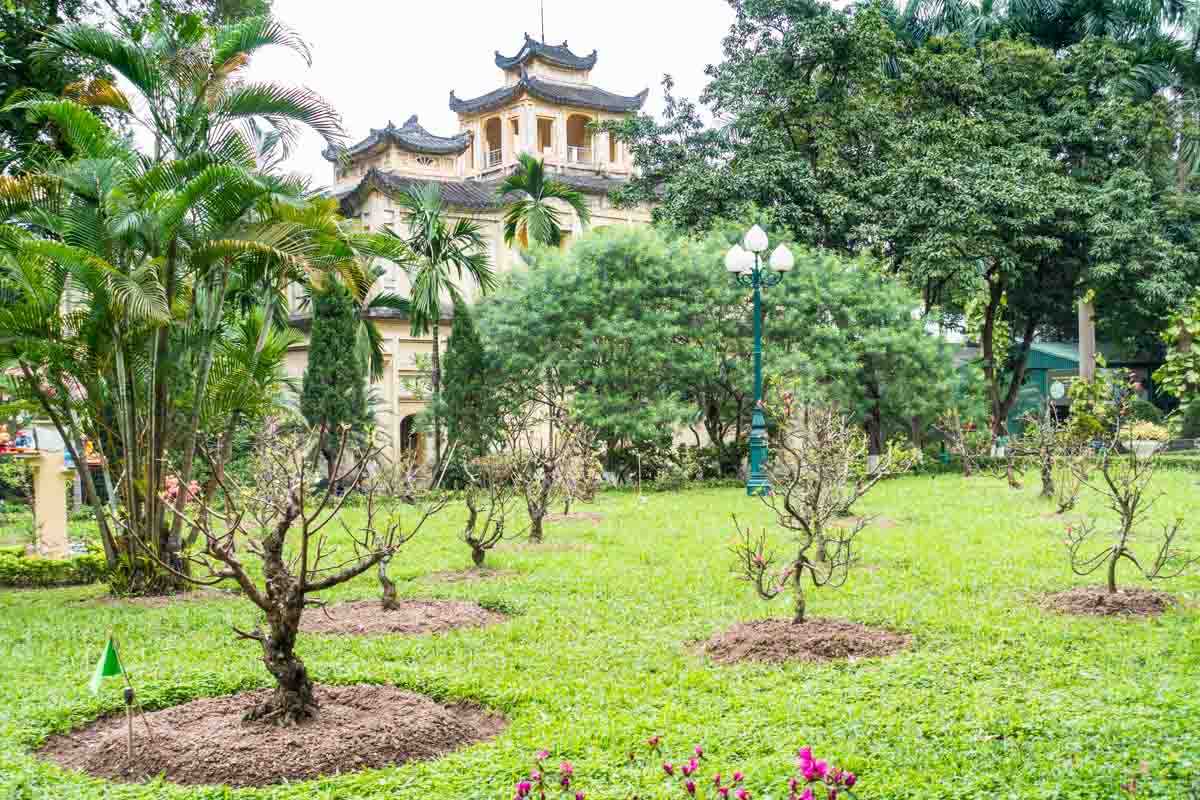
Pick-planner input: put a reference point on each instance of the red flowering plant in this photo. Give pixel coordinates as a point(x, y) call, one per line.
point(814, 779)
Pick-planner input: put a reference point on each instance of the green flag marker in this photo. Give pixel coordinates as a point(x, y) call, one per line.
point(108, 666)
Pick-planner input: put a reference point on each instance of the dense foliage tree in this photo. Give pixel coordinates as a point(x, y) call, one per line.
point(637, 331)
point(972, 168)
point(334, 397)
point(472, 400)
point(532, 216)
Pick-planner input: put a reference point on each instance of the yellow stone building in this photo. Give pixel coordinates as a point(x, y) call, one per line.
point(546, 106)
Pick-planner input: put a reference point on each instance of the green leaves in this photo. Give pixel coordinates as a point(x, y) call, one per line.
point(530, 216)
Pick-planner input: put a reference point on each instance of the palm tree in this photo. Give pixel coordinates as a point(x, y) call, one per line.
point(444, 253)
point(531, 217)
point(151, 245)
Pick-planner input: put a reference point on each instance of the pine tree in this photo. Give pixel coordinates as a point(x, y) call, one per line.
point(335, 381)
point(471, 400)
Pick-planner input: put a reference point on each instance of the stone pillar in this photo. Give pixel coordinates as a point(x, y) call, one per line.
point(50, 504)
point(1087, 341)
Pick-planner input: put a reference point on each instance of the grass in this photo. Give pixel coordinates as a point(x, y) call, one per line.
point(997, 699)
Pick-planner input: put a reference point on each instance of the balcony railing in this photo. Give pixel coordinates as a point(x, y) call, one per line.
point(579, 155)
point(494, 158)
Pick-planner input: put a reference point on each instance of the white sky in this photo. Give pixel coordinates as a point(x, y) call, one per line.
point(376, 60)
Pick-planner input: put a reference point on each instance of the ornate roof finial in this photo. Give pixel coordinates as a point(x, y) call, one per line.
point(412, 122)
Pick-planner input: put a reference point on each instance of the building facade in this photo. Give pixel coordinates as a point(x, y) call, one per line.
point(546, 106)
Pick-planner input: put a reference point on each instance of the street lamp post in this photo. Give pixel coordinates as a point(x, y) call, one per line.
point(746, 265)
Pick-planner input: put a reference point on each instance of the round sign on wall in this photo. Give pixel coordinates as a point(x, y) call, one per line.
point(1058, 390)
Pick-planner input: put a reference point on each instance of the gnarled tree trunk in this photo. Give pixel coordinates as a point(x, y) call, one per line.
point(292, 701)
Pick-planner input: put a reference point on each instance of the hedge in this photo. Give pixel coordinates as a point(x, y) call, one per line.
point(19, 571)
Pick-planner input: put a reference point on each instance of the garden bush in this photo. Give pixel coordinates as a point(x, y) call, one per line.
point(18, 571)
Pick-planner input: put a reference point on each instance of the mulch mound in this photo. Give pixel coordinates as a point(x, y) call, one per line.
point(1097, 601)
point(367, 617)
point(205, 742)
point(575, 516)
point(468, 575)
point(164, 600)
point(778, 640)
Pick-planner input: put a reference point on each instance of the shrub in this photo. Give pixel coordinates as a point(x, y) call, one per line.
point(19, 571)
point(1144, 411)
point(1189, 421)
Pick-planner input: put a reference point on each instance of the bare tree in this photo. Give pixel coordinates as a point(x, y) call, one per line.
point(762, 568)
point(542, 440)
point(963, 440)
point(284, 519)
point(402, 488)
point(581, 473)
point(1057, 452)
point(1123, 479)
point(816, 471)
point(490, 495)
point(816, 453)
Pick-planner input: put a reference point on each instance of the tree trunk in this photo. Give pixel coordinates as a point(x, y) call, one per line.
point(389, 601)
point(798, 587)
point(478, 554)
point(1112, 570)
point(1047, 476)
point(293, 701)
point(535, 527)
point(436, 381)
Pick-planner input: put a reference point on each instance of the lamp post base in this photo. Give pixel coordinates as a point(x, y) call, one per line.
point(758, 485)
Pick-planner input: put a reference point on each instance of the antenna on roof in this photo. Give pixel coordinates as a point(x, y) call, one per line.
point(542, 5)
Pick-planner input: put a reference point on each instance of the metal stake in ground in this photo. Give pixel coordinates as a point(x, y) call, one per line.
point(129, 722)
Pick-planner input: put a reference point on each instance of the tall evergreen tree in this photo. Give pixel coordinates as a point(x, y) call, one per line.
point(471, 400)
point(335, 381)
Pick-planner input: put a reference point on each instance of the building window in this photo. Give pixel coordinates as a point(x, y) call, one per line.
point(545, 135)
point(425, 161)
point(516, 134)
point(579, 139)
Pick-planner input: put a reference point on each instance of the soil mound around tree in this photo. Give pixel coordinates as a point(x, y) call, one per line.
point(575, 516)
point(778, 640)
point(526, 546)
point(472, 575)
point(205, 742)
point(413, 617)
point(1097, 601)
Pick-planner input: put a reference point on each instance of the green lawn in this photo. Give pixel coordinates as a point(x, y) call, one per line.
point(997, 699)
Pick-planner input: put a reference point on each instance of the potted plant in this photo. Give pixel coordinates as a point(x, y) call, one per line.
point(1147, 438)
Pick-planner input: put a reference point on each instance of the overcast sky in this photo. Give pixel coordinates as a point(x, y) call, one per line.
point(380, 60)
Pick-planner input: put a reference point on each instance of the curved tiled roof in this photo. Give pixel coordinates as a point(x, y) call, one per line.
point(411, 136)
point(462, 194)
point(558, 55)
point(582, 95)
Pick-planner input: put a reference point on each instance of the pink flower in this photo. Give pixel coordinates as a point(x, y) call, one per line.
point(833, 793)
point(580, 796)
point(717, 779)
point(724, 792)
point(742, 794)
point(804, 756)
point(542, 755)
point(565, 782)
point(822, 768)
point(653, 742)
point(691, 787)
point(524, 788)
point(738, 777)
point(668, 768)
point(793, 784)
point(690, 767)
point(535, 776)
point(699, 751)
point(566, 769)
point(850, 779)
point(807, 794)
point(809, 771)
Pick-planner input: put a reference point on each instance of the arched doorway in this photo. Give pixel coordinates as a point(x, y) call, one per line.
point(579, 139)
point(412, 443)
